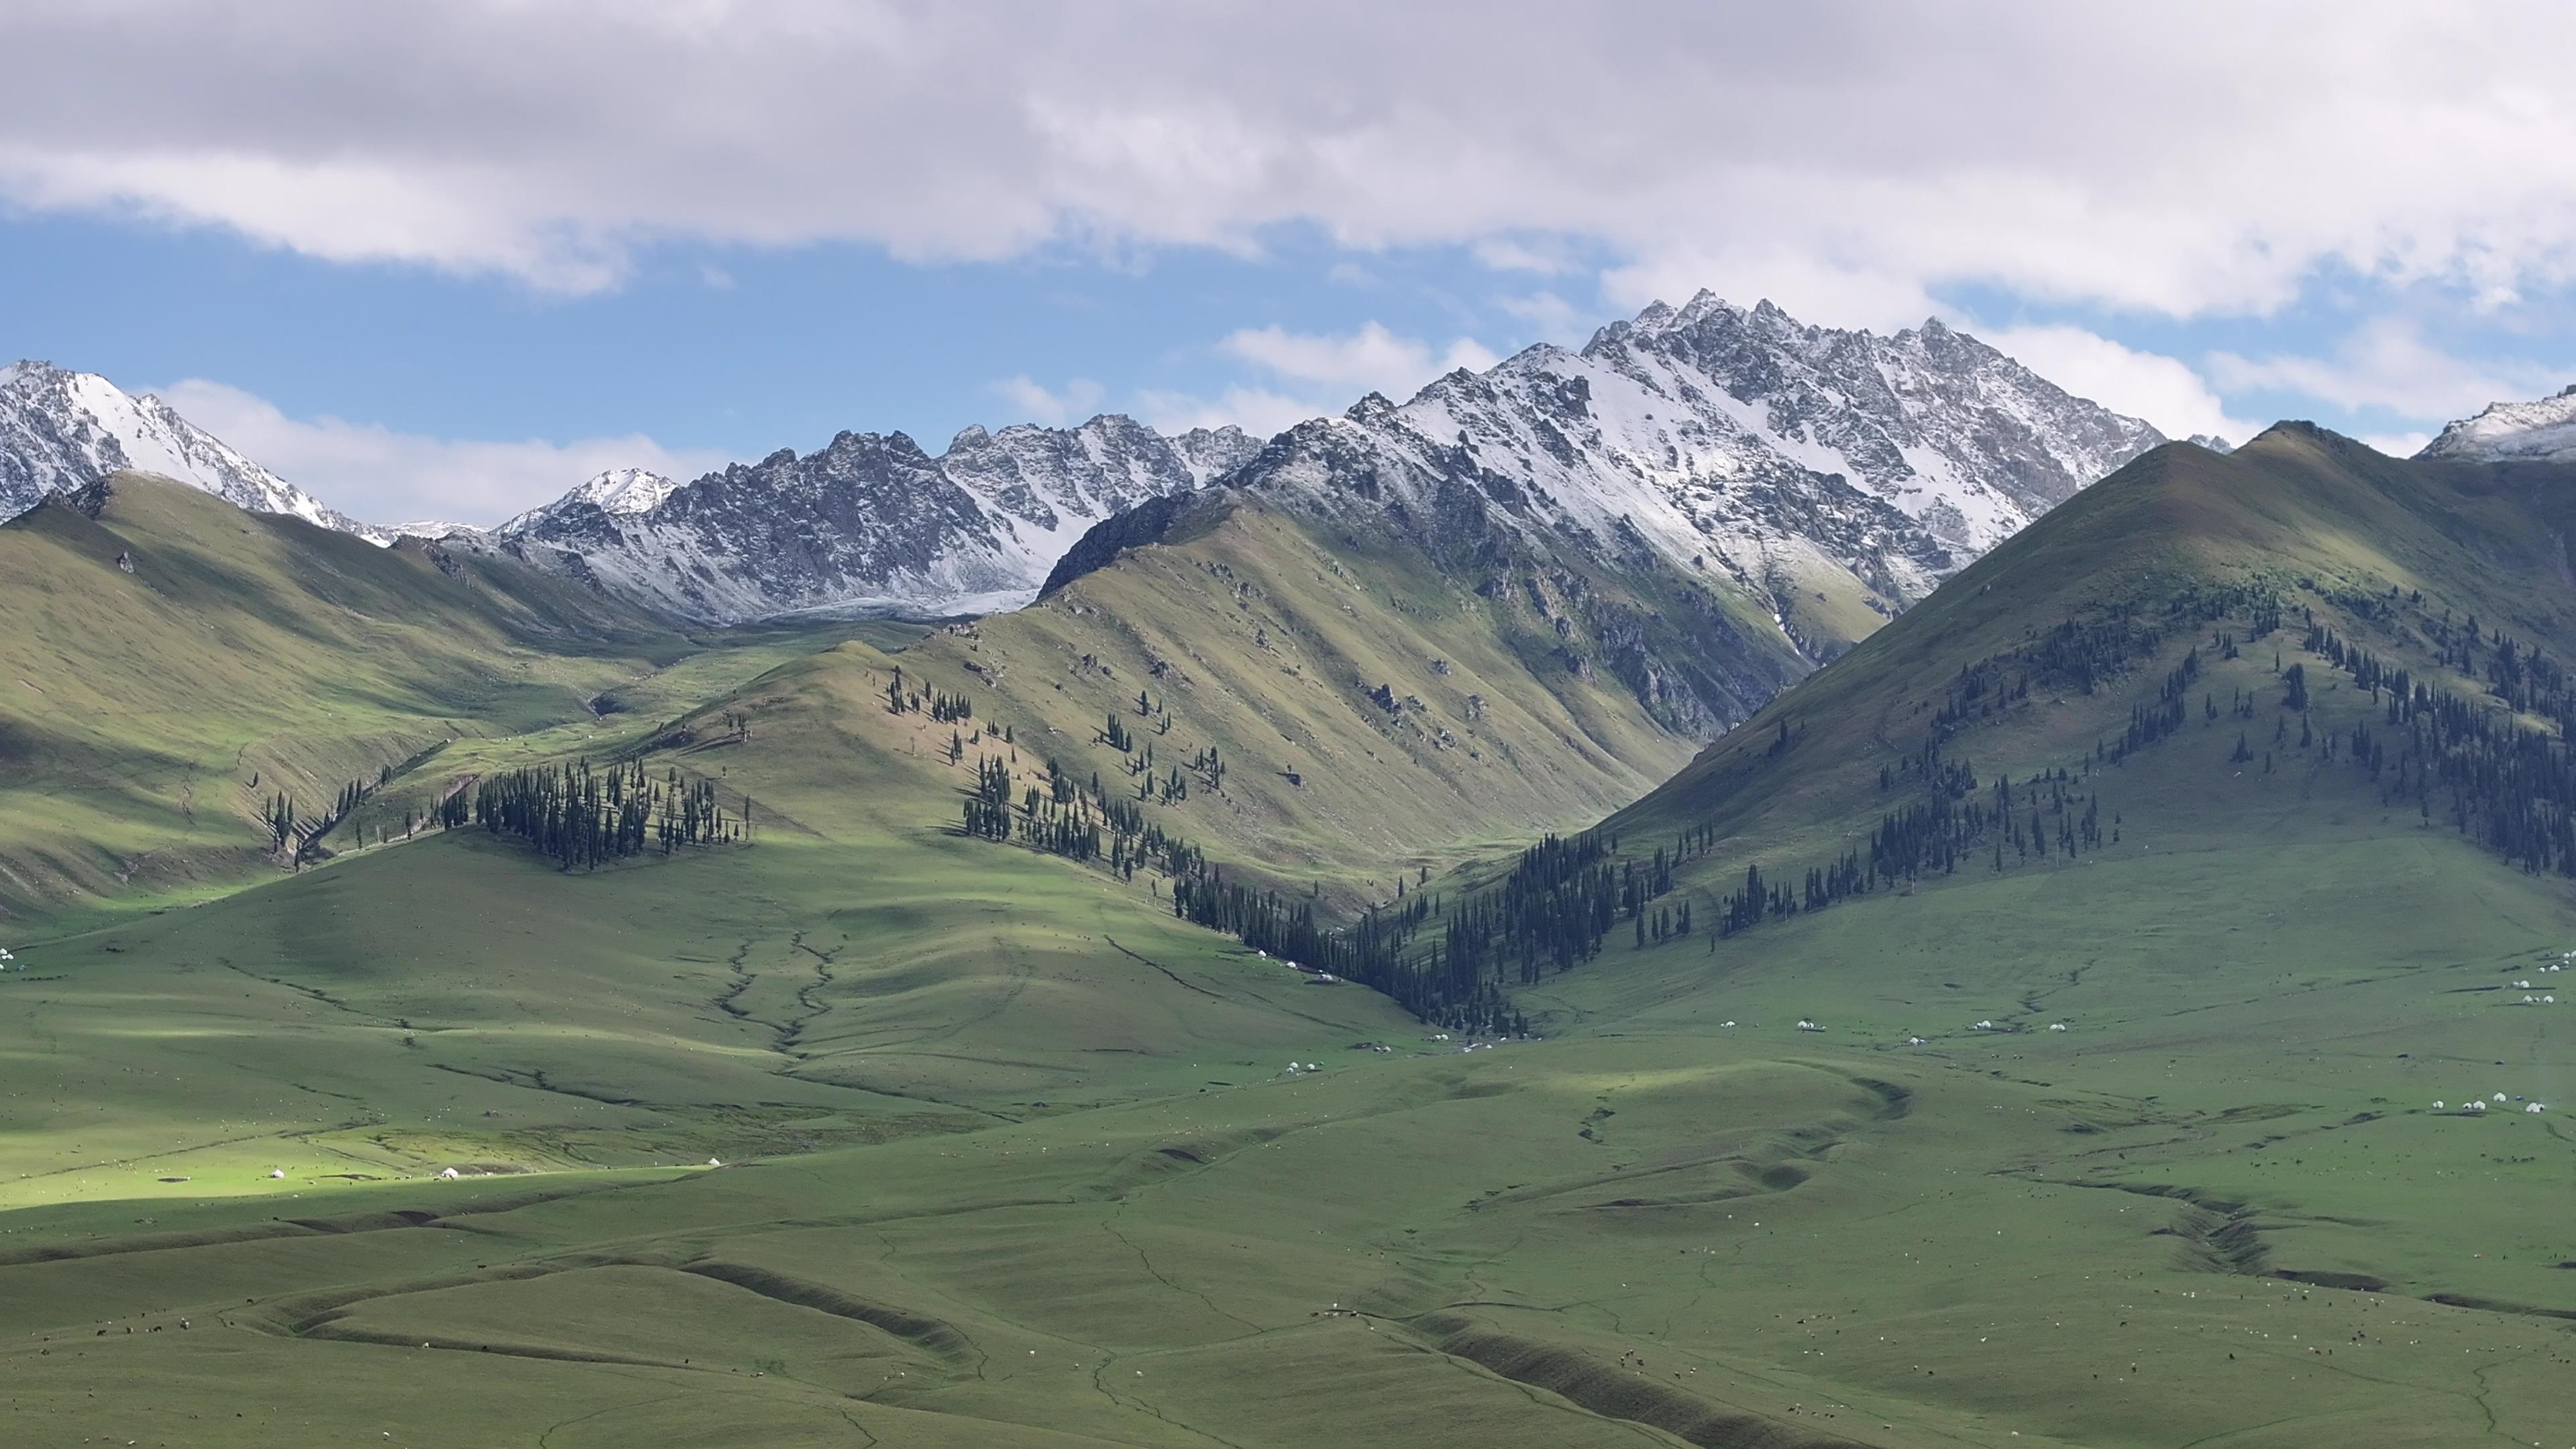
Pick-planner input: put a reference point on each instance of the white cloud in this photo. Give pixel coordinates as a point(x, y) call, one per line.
point(385, 476)
point(1847, 161)
point(1551, 318)
point(1036, 403)
point(2163, 390)
point(1806, 285)
point(1548, 259)
point(1258, 411)
point(2385, 364)
point(1370, 359)
point(1307, 375)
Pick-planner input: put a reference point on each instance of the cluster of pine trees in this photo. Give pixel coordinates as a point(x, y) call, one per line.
point(1074, 822)
point(942, 708)
point(583, 818)
point(2508, 786)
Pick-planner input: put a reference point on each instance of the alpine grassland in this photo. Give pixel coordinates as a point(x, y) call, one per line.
point(2056, 1021)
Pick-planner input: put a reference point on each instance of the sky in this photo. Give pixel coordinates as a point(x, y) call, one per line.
point(447, 261)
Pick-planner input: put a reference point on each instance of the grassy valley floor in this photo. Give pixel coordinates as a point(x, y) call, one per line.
point(994, 1181)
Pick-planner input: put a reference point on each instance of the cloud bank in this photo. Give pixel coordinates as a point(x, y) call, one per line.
point(1844, 158)
point(384, 476)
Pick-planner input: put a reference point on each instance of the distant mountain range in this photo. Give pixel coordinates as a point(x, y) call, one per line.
point(1810, 465)
point(62, 430)
point(869, 522)
point(2543, 431)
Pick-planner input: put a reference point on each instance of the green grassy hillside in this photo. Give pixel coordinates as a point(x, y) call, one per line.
point(1009, 1155)
point(1377, 708)
point(148, 718)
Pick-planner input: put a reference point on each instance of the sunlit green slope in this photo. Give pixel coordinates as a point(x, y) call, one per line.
point(1011, 1156)
point(1373, 709)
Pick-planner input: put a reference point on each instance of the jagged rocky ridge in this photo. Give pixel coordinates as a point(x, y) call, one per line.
point(1737, 441)
point(1798, 466)
point(1813, 470)
point(869, 521)
point(61, 431)
point(2541, 432)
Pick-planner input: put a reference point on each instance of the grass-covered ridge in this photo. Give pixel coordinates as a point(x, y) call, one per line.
point(156, 709)
point(1010, 1155)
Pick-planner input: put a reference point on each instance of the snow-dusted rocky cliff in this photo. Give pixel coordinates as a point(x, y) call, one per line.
point(1731, 439)
point(869, 521)
point(2541, 432)
point(62, 430)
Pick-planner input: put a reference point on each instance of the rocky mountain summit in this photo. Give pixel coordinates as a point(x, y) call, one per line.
point(1791, 459)
point(869, 521)
point(1830, 477)
point(61, 431)
point(2542, 432)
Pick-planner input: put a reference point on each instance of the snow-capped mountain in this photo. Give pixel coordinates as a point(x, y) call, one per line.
point(62, 430)
point(619, 493)
point(869, 521)
point(2541, 432)
point(1730, 439)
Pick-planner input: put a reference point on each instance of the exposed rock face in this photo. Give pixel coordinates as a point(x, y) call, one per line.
point(62, 430)
point(1738, 443)
point(1703, 503)
point(1805, 469)
point(869, 521)
point(2540, 432)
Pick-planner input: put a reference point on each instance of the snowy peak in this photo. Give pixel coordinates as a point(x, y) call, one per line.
point(62, 430)
point(2542, 431)
point(869, 522)
point(626, 490)
point(1823, 475)
point(1936, 423)
point(618, 493)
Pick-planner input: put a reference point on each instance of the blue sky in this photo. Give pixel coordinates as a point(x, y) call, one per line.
point(549, 238)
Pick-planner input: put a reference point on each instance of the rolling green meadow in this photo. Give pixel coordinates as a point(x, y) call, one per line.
point(863, 1131)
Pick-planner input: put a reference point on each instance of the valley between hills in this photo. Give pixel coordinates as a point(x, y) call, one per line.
point(1322, 971)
